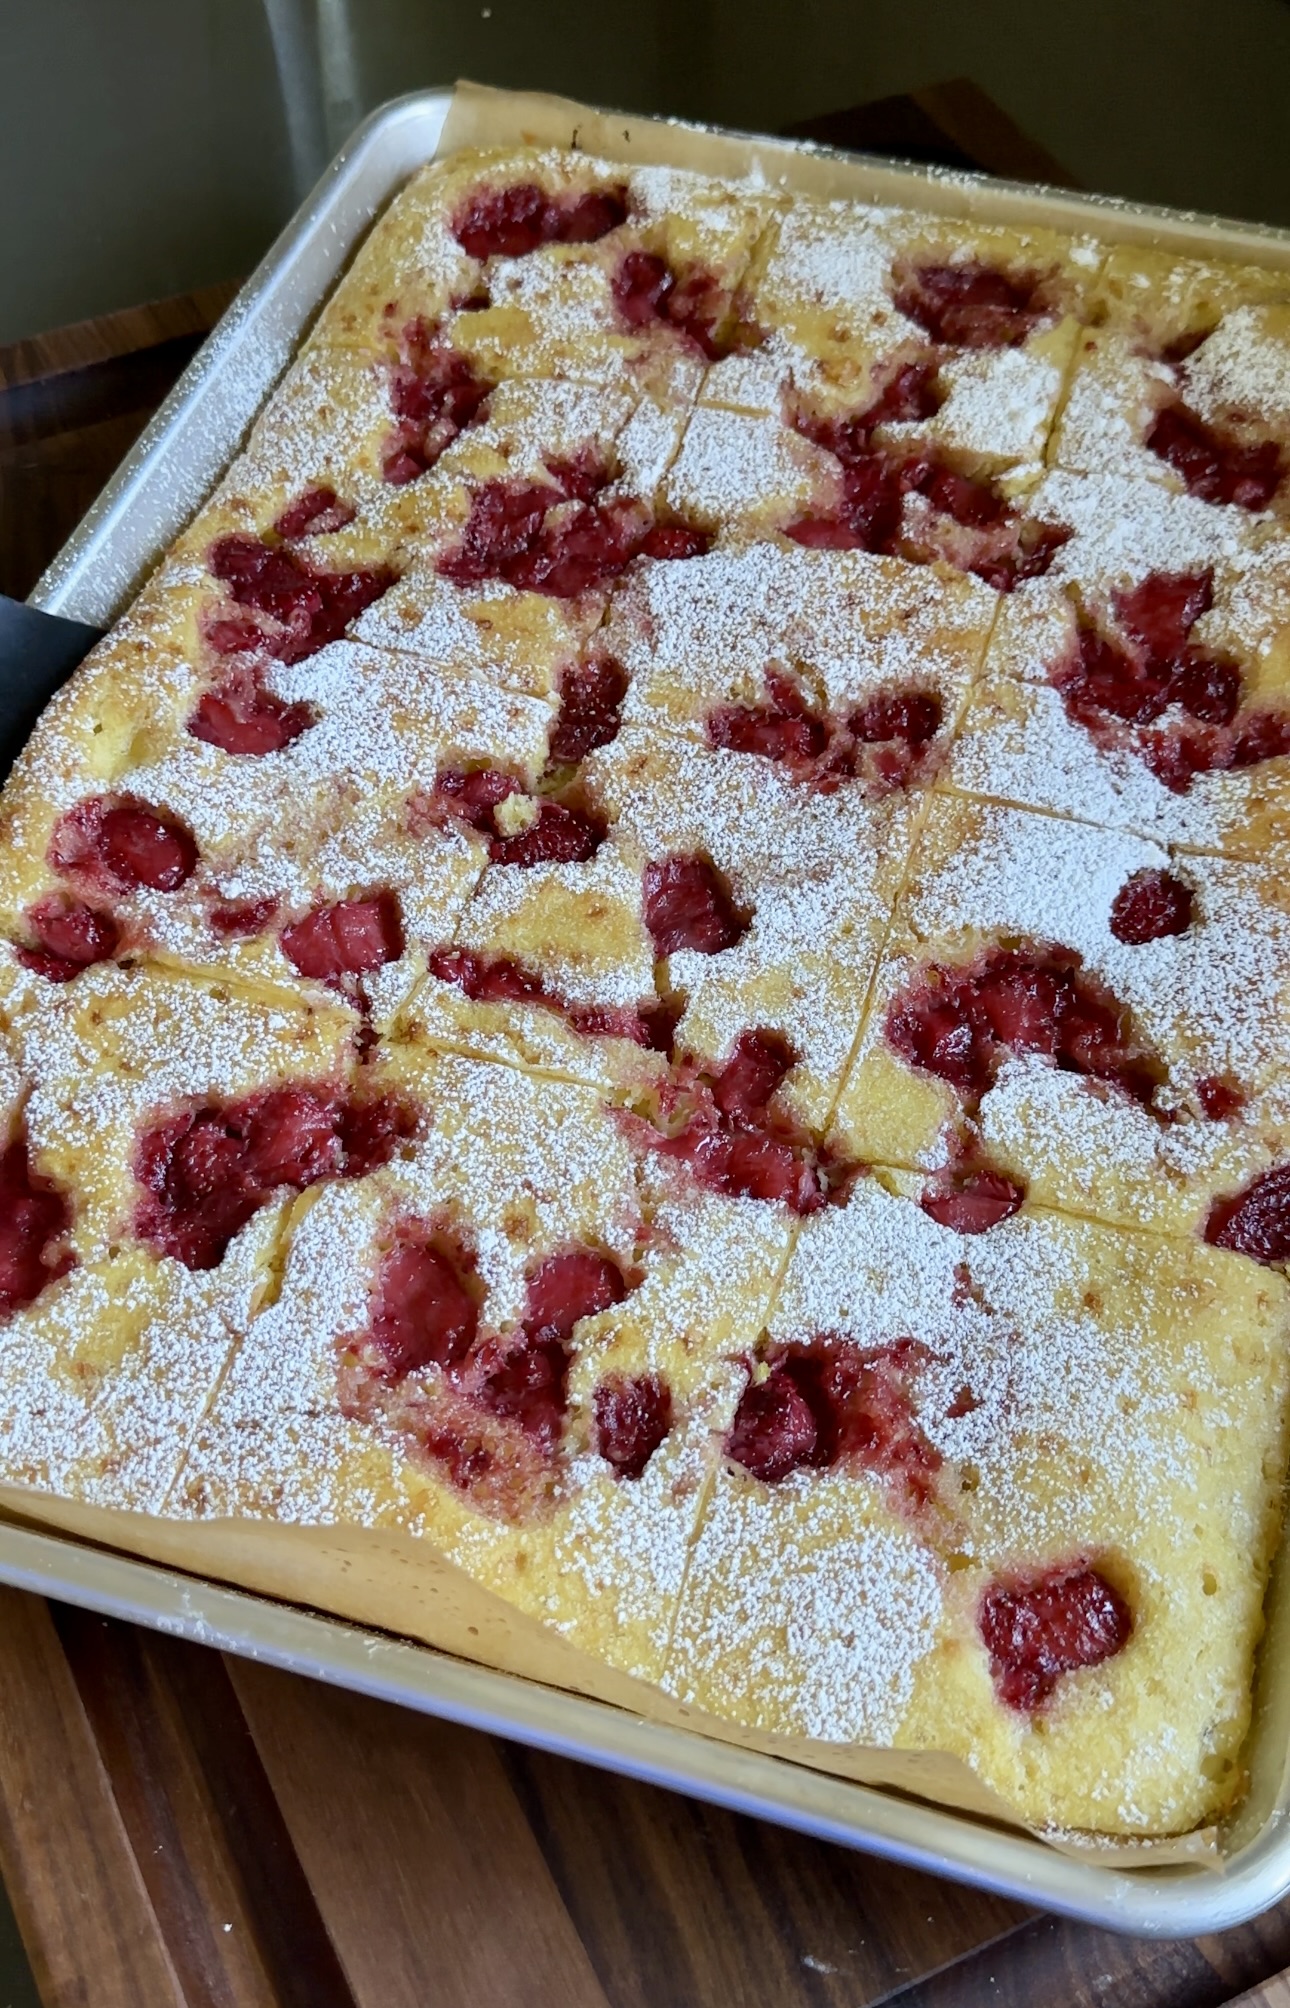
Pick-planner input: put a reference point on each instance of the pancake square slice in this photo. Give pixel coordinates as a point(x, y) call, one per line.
point(155, 1130)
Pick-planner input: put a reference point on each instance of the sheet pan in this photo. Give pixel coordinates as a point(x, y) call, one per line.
point(175, 462)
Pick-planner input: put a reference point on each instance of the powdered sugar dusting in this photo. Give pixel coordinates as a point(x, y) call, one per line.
point(999, 403)
point(1126, 529)
point(1243, 367)
point(704, 633)
point(1018, 745)
point(818, 1625)
point(835, 257)
point(745, 473)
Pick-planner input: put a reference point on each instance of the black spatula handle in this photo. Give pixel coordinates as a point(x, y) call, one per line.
point(38, 652)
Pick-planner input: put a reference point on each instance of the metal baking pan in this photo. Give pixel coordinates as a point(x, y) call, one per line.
point(175, 462)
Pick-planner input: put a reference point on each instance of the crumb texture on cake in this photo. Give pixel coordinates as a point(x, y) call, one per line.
point(645, 994)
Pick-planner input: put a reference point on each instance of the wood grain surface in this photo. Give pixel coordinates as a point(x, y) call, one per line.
point(184, 1830)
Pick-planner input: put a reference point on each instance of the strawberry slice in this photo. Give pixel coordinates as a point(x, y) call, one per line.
point(687, 904)
point(526, 1381)
point(774, 1431)
point(960, 1023)
point(512, 222)
point(1213, 466)
point(575, 1284)
point(241, 717)
point(71, 935)
point(829, 1401)
point(34, 1218)
point(632, 1415)
point(971, 1202)
point(1150, 906)
point(424, 1313)
point(1255, 1221)
point(122, 843)
point(973, 305)
point(591, 702)
point(1051, 1624)
point(206, 1171)
point(558, 836)
point(316, 513)
point(349, 938)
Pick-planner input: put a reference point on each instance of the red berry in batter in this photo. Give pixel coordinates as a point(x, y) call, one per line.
point(207, 1171)
point(971, 1202)
point(973, 306)
point(34, 1218)
point(577, 1283)
point(242, 717)
point(1149, 906)
point(349, 938)
point(557, 836)
point(1213, 466)
point(687, 904)
point(830, 1401)
point(316, 513)
point(512, 222)
point(423, 1312)
point(71, 936)
point(632, 1416)
point(1255, 1222)
point(1039, 1629)
point(591, 701)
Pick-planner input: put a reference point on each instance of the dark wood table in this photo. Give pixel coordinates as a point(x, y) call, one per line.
point(182, 1827)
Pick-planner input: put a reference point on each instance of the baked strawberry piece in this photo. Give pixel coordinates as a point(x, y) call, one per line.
point(280, 562)
point(529, 1385)
point(916, 1542)
point(1076, 1013)
point(1185, 379)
